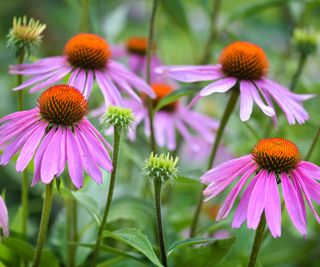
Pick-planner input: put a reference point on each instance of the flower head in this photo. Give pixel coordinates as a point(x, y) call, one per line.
point(162, 167)
point(138, 45)
point(118, 117)
point(194, 127)
point(87, 58)
point(55, 133)
point(272, 161)
point(243, 66)
point(306, 40)
point(4, 219)
point(25, 35)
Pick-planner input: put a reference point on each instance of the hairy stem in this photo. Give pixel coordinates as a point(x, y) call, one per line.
point(297, 74)
point(148, 72)
point(116, 148)
point(257, 242)
point(225, 118)
point(46, 209)
point(157, 202)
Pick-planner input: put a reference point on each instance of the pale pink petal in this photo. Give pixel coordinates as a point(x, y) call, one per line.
point(219, 86)
point(257, 200)
point(75, 164)
point(310, 169)
point(246, 102)
point(4, 218)
point(291, 201)
point(228, 203)
point(273, 206)
point(191, 73)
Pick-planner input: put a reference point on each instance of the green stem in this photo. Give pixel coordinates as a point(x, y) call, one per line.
point(157, 202)
point(257, 241)
point(72, 229)
point(84, 16)
point(148, 72)
point(116, 148)
point(225, 118)
point(296, 76)
point(206, 57)
point(24, 182)
point(46, 209)
point(313, 144)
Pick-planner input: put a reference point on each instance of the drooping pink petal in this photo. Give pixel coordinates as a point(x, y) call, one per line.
point(246, 102)
point(30, 147)
point(224, 170)
point(191, 73)
point(312, 186)
point(257, 200)
point(228, 203)
point(291, 200)
point(310, 169)
point(220, 86)
point(74, 158)
point(273, 206)
point(242, 209)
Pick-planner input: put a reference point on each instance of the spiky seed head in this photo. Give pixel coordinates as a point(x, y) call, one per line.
point(161, 167)
point(25, 35)
point(121, 118)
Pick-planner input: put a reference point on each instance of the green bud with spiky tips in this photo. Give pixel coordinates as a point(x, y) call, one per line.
point(306, 40)
point(161, 167)
point(120, 118)
point(25, 35)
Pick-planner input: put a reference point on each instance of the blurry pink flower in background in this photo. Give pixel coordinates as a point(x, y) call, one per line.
point(244, 64)
point(55, 133)
point(272, 161)
point(135, 50)
point(4, 219)
point(87, 58)
point(191, 125)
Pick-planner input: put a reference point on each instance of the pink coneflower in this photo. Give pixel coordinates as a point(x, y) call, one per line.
point(243, 65)
point(272, 161)
point(135, 50)
point(54, 133)
point(171, 118)
point(4, 219)
point(87, 57)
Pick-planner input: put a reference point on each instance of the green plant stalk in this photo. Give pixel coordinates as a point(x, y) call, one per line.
point(116, 149)
point(225, 118)
point(296, 76)
point(157, 203)
point(84, 16)
point(72, 229)
point(46, 209)
point(313, 144)
point(24, 182)
point(257, 242)
point(148, 73)
point(206, 57)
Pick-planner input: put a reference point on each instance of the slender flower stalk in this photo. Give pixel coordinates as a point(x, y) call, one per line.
point(148, 72)
point(313, 144)
point(159, 169)
point(258, 239)
point(46, 209)
point(84, 16)
point(206, 57)
point(295, 78)
point(121, 119)
point(225, 118)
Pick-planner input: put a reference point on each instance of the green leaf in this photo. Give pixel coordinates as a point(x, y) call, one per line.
point(137, 240)
point(175, 95)
point(186, 180)
point(177, 13)
point(134, 209)
point(88, 203)
point(26, 251)
point(208, 254)
point(256, 7)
